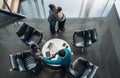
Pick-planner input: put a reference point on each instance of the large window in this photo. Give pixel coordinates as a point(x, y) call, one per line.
point(71, 8)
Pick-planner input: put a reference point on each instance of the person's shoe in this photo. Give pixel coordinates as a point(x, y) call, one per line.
point(62, 29)
point(58, 30)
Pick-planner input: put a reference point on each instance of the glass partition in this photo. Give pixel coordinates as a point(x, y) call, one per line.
point(7, 17)
point(71, 8)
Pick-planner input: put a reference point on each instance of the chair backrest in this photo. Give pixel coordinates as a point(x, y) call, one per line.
point(78, 39)
point(78, 33)
point(93, 33)
point(93, 71)
point(88, 40)
point(21, 30)
point(27, 34)
point(13, 62)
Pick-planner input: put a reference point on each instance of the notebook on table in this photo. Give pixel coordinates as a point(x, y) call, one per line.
point(52, 47)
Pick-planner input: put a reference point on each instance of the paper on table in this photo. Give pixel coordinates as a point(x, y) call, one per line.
point(52, 47)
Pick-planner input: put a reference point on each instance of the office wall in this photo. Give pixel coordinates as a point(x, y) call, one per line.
point(111, 43)
point(114, 25)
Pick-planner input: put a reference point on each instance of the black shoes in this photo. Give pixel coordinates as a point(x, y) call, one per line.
point(58, 30)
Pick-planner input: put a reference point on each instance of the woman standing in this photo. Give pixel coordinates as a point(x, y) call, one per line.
point(56, 14)
point(61, 20)
point(52, 17)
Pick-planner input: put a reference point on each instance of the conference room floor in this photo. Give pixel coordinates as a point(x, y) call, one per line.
point(97, 53)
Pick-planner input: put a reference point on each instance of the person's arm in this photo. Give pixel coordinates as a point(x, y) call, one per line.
point(53, 56)
point(60, 16)
point(53, 18)
point(55, 61)
point(52, 15)
point(38, 57)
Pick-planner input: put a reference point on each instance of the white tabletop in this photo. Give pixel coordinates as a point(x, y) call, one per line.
point(54, 45)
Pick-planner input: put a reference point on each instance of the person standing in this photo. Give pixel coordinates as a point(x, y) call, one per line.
point(61, 20)
point(51, 18)
point(56, 15)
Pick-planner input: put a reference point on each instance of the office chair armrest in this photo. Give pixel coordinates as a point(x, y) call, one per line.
point(92, 73)
point(41, 36)
point(86, 73)
point(13, 62)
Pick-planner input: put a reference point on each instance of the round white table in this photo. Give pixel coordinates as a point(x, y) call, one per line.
point(54, 45)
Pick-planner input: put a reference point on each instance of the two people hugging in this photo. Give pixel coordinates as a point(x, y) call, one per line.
point(56, 14)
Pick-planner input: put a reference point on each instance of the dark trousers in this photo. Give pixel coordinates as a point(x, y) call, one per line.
point(61, 25)
point(52, 26)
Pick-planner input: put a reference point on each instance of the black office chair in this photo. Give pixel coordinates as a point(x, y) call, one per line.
point(79, 39)
point(84, 38)
point(24, 62)
point(29, 35)
point(81, 68)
